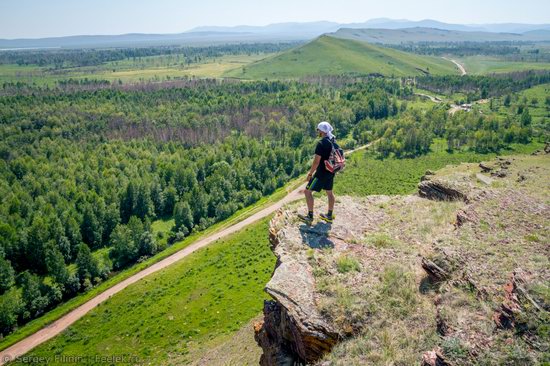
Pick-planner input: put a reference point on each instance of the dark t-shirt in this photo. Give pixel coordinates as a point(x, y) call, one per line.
point(323, 149)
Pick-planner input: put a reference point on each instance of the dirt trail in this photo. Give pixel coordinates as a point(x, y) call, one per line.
point(459, 65)
point(22, 347)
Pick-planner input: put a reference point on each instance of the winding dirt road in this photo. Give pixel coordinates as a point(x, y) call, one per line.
point(459, 65)
point(22, 347)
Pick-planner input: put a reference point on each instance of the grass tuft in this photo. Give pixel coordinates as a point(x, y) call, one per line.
point(347, 263)
point(381, 240)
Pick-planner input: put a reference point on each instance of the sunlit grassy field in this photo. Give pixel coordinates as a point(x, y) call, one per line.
point(153, 68)
point(488, 64)
point(366, 175)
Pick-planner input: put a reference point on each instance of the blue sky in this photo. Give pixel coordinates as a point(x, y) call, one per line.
point(45, 18)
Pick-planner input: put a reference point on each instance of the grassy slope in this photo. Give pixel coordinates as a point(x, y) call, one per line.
point(401, 176)
point(238, 350)
point(392, 300)
point(210, 294)
point(329, 56)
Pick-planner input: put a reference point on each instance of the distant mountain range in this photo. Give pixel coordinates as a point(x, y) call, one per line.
point(270, 33)
point(317, 28)
point(143, 40)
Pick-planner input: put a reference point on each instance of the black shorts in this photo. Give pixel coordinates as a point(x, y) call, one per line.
point(323, 181)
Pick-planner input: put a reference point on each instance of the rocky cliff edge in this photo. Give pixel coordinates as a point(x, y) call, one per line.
point(457, 274)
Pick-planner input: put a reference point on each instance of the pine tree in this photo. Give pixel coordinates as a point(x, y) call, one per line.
point(144, 206)
point(169, 197)
point(156, 198)
point(11, 306)
point(183, 216)
point(125, 250)
point(56, 264)
point(90, 229)
point(525, 118)
point(7, 275)
point(86, 264)
point(127, 203)
point(507, 100)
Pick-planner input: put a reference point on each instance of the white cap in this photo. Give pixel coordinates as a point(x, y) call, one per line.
point(326, 128)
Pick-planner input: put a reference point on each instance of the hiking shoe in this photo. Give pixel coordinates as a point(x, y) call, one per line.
point(306, 218)
point(327, 218)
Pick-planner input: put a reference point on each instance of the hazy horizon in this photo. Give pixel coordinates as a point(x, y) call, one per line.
point(37, 19)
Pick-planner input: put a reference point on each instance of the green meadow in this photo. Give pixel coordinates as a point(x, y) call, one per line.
point(145, 69)
point(365, 174)
point(487, 65)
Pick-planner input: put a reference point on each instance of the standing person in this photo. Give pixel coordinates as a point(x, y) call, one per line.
point(319, 177)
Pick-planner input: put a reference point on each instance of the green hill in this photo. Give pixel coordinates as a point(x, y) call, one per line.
point(333, 56)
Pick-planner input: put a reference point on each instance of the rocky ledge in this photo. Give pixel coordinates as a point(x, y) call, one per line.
point(293, 330)
point(457, 274)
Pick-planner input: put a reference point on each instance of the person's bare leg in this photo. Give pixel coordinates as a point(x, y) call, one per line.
point(309, 199)
point(331, 200)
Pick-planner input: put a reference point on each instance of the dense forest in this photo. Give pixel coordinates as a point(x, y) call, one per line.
point(63, 58)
